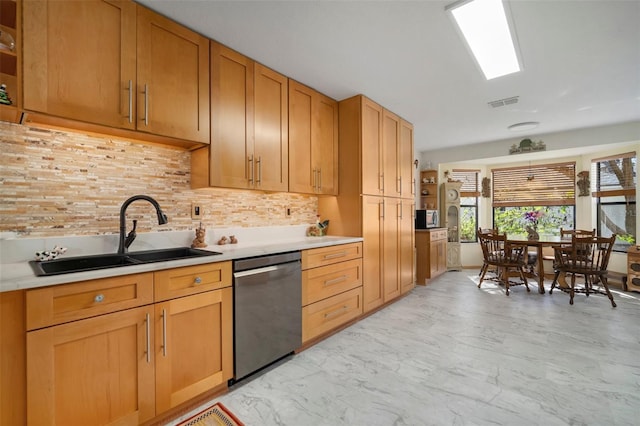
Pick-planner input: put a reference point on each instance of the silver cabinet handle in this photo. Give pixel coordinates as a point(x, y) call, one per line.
point(99, 298)
point(250, 161)
point(164, 332)
point(400, 210)
point(334, 281)
point(315, 179)
point(259, 166)
point(148, 339)
point(400, 185)
point(382, 182)
point(197, 280)
point(334, 255)
point(339, 311)
point(381, 209)
point(146, 105)
point(130, 89)
point(319, 189)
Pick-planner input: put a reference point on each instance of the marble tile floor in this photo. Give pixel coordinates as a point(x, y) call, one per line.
point(452, 354)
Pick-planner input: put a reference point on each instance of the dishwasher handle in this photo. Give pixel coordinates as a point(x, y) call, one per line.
point(255, 271)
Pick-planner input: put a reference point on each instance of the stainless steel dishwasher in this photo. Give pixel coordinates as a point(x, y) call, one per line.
point(267, 310)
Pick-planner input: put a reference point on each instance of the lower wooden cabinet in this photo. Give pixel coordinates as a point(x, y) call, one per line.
point(331, 288)
point(95, 371)
point(126, 366)
point(431, 248)
point(192, 352)
point(325, 315)
point(633, 268)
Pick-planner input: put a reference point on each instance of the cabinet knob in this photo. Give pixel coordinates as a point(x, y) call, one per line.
point(197, 280)
point(99, 298)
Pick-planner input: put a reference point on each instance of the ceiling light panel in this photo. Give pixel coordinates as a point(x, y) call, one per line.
point(485, 28)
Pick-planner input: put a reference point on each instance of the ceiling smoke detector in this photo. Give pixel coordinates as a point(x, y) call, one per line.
point(503, 102)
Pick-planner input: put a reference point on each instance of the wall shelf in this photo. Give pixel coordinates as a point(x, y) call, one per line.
point(428, 189)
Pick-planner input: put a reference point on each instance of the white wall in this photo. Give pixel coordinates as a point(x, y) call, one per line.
point(576, 139)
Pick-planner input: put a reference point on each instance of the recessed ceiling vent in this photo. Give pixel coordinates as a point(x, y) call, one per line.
point(504, 102)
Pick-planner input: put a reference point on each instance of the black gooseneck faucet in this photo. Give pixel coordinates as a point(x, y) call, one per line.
point(125, 242)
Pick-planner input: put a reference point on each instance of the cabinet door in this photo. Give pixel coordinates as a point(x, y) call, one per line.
point(173, 79)
point(372, 254)
point(194, 344)
point(436, 257)
point(92, 372)
point(407, 244)
point(325, 144)
point(390, 151)
point(271, 123)
point(391, 248)
point(372, 176)
point(407, 170)
point(79, 60)
point(302, 172)
point(10, 72)
point(313, 141)
point(231, 118)
point(442, 256)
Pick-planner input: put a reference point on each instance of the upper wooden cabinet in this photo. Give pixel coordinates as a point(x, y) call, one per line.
point(9, 63)
point(369, 116)
point(313, 141)
point(405, 161)
point(397, 153)
point(249, 126)
point(390, 154)
point(386, 147)
point(271, 130)
point(116, 64)
point(173, 79)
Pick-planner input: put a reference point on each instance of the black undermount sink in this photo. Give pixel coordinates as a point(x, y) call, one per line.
point(104, 261)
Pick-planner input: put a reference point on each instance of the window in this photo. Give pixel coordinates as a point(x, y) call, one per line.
point(469, 194)
point(614, 188)
point(545, 188)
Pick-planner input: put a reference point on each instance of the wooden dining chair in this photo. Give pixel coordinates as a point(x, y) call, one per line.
point(481, 231)
point(548, 252)
point(504, 256)
point(564, 233)
point(587, 257)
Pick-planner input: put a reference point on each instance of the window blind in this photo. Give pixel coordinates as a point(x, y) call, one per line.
point(469, 179)
point(539, 185)
point(615, 175)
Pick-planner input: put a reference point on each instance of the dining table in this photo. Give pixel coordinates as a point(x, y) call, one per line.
point(542, 241)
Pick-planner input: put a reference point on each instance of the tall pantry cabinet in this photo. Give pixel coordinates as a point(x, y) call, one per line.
point(376, 197)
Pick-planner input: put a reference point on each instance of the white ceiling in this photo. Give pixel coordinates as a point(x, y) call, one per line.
point(581, 60)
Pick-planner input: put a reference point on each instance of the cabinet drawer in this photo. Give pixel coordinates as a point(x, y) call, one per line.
point(180, 282)
point(633, 282)
point(438, 235)
point(327, 281)
point(328, 255)
point(69, 302)
point(321, 317)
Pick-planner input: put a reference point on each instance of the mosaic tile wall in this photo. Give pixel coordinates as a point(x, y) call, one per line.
point(55, 183)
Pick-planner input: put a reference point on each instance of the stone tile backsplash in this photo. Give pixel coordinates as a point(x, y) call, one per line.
point(56, 183)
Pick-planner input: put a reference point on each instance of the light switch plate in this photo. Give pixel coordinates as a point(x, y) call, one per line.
point(196, 211)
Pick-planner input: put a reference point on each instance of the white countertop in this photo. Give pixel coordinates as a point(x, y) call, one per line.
point(17, 275)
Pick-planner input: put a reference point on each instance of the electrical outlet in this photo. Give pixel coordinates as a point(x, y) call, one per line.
point(196, 211)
